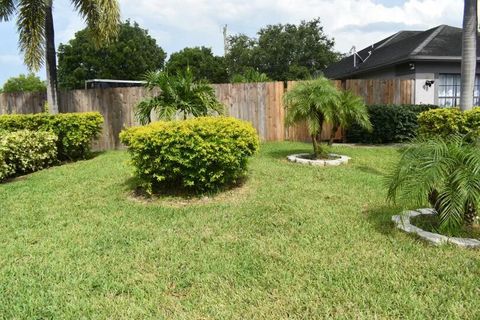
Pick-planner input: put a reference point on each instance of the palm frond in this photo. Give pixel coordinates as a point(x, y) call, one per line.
point(309, 99)
point(102, 17)
point(448, 166)
point(7, 9)
point(353, 111)
point(178, 94)
point(31, 29)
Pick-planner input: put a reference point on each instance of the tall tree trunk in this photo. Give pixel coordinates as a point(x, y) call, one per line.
point(469, 54)
point(51, 60)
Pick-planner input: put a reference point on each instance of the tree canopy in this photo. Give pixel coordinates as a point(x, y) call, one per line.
point(283, 51)
point(202, 62)
point(24, 83)
point(130, 57)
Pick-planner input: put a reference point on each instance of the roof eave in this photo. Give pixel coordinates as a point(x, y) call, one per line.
point(438, 58)
point(404, 60)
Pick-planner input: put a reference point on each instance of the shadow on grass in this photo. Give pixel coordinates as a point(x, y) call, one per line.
point(94, 154)
point(381, 218)
point(134, 186)
point(282, 154)
point(370, 170)
point(25, 175)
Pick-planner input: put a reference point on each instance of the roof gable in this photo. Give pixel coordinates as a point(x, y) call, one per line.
point(441, 41)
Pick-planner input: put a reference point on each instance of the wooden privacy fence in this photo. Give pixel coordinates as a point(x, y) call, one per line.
point(259, 103)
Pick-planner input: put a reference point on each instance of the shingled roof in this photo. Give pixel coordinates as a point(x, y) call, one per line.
point(440, 43)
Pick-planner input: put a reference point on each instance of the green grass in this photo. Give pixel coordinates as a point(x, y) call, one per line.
point(294, 242)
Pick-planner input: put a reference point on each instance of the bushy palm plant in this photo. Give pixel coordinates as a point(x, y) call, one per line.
point(351, 110)
point(318, 102)
point(178, 93)
point(315, 102)
point(444, 172)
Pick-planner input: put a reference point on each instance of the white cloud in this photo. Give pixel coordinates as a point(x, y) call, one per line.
point(178, 24)
point(196, 22)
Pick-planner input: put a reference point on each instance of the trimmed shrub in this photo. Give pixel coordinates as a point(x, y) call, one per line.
point(450, 121)
point(26, 151)
point(75, 131)
point(391, 124)
point(200, 155)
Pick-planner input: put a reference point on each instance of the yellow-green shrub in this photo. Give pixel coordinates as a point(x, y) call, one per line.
point(201, 154)
point(26, 151)
point(75, 131)
point(449, 121)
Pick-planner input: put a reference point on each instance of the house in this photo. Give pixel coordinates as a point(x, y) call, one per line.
point(431, 58)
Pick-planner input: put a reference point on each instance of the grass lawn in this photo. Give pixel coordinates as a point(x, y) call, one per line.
point(294, 242)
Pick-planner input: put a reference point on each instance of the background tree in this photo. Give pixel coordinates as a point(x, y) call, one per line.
point(469, 54)
point(283, 51)
point(37, 36)
point(241, 54)
point(24, 83)
point(130, 57)
point(250, 75)
point(178, 93)
point(201, 61)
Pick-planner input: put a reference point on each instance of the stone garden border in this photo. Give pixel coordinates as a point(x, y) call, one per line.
point(299, 158)
point(402, 222)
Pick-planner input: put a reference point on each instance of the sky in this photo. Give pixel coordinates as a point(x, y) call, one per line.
point(179, 24)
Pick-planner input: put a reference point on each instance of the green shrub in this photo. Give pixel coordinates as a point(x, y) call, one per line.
point(450, 121)
point(75, 131)
point(391, 124)
point(442, 122)
point(26, 151)
point(472, 122)
point(200, 155)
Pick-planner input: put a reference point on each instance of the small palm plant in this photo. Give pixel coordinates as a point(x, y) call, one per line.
point(444, 172)
point(352, 109)
point(318, 102)
point(179, 93)
point(315, 102)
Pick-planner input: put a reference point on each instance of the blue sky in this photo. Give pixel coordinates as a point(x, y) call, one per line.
point(178, 24)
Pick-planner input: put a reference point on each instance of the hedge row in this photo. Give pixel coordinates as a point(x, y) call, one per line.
point(75, 131)
point(391, 124)
point(26, 151)
point(200, 155)
point(450, 121)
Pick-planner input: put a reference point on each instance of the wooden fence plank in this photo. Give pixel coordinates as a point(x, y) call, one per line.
point(259, 103)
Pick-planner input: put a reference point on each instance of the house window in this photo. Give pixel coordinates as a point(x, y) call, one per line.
point(449, 90)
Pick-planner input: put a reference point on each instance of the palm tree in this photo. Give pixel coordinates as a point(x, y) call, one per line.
point(444, 172)
point(178, 93)
point(37, 37)
point(352, 109)
point(316, 102)
point(469, 54)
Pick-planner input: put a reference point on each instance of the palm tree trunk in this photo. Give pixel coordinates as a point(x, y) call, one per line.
point(470, 214)
point(51, 60)
point(316, 151)
point(319, 135)
point(333, 133)
point(469, 54)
